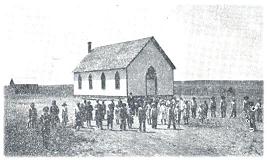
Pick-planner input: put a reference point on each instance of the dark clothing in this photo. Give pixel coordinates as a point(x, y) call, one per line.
point(171, 118)
point(233, 105)
point(123, 116)
point(194, 109)
point(110, 115)
point(154, 116)
point(142, 118)
point(78, 120)
point(65, 117)
point(223, 108)
point(88, 111)
point(213, 108)
point(54, 111)
point(252, 119)
point(45, 121)
point(130, 101)
point(32, 118)
point(99, 115)
point(259, 112)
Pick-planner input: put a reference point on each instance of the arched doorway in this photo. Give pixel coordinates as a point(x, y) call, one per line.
point(151, 82)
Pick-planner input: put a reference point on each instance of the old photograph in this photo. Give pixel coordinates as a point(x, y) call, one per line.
point(132, 78)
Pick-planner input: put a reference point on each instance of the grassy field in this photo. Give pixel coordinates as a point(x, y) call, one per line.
point(217, 137)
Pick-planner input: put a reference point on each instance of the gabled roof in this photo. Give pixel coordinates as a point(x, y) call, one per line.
point(116, 56)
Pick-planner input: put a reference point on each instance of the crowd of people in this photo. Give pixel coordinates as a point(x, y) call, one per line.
point(149, 111)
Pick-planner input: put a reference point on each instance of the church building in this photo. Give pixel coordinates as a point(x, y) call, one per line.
point(140, 67)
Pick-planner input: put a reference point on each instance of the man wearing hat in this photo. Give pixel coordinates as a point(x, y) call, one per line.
point(45, 121)
point(32, 116)
point(65, 117)
point(213, 106)
point(233, 106)
point(194, 107)
point(130, 101)
point(223, 106)
point(54, 111)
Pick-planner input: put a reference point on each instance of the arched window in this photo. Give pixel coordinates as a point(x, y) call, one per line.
point(117, 80)
point(103, 81)
point(90, 81)
point(79, 82)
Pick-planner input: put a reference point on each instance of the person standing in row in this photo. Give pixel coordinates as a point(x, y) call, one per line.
point(54, 111)
point(78, 118)
point(252, 118)
point(130, 119)
point(110, 114)
point(259, 110)
point(123, 116)
point(246, 107)
point(104, 107)
point(223, 107)
point(117, 112)
point(99, 115)
point(213, 107)
point(154, 115)
point(201, 113)
point(65, 118)
point(88, 113)
point(130, 101)
point(148, 114)
point(162, 112)
point(142, 116)
point(45, 121)
point(32, 116)
point(233, 106)
point(171, 116)
point(206, 109)
point(180, 105)
point(194, 107)
point(186, 112)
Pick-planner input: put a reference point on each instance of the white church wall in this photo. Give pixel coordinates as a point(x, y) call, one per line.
point(110, 89)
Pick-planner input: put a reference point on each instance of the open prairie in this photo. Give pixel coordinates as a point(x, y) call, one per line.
point(216, 137)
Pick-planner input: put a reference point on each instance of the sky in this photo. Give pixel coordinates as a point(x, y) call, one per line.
point(45, 40)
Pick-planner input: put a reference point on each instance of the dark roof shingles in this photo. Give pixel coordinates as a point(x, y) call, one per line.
point(114, 56)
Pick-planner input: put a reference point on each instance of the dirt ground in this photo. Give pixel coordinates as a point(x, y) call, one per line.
point(217, 137)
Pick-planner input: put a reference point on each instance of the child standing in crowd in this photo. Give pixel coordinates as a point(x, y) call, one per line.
point(88, 113)
point(233, 106)
point(213, 107)
point(154, 115)
point(186, 113)
point(252, 118)
point(65, 117)
point(259, 110)
point(223, 107)
point(32, 116)
point(45, 121)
